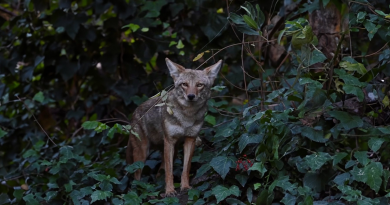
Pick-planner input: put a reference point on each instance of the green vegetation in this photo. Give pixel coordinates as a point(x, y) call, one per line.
point(299, 115)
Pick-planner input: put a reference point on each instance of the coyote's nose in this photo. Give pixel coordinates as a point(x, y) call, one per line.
point(191, 96)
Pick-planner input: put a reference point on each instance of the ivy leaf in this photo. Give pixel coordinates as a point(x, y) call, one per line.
point(241, 179)
point(100, 195)
point(259, 166)
point(67, 152)
point(317, 57)
point(375, 143)
point(346, 120)
point(338, 157)
point(2, 133)
point(374, 173)
point(90, 125)
point(315, 161)
point(210, 119)
point(30, 199)
point(350, 89)
point(371, 28)
point(133, 27)
point(315, 135)
point(134, 167)
point(289, 199)
point(39, 97)
point(359, 174)
point(386, 101)
point(203, 169)
point(222, 165)
point(221, 192)
point(193, 194)
point(180, 45)
point(362, 157)
point(340, 179)
point(246, 139)
point(358, 67)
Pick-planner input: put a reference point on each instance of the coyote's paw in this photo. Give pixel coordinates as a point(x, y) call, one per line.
point(170, 193)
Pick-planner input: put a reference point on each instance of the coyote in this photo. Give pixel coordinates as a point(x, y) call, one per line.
point(179, 119)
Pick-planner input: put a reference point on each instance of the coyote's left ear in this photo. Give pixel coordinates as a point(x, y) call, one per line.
point(213, 70)
point(174, 68)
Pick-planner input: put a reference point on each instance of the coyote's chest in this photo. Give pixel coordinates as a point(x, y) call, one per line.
point(180, 124)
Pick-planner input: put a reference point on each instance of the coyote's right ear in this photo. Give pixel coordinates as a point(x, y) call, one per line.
point(174, 68)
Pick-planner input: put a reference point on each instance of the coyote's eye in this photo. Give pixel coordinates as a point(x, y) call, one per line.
point(199, 85)
point(184, 84)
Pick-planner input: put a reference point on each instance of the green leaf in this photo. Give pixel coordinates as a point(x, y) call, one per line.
point(260, 16)
point(246, 139)
point(67, 152)
point(105, 185)
point(259, 166)
point(218, 88)
point(359, 174)
point(90, 125)
point(180, 45)
point(30, 200)
point(386, 101)
point(222, 165)
point(145, 29)
point(350, 89)
point(340, 179)
point(172, 43)
point(134, 167)
point(193, 194)
point(281, 33)
point(221, 192)
point(315, 135)
point(315, 161)
point(358, 67)
point(236, 18)
point(317, 57)
point(203, 169)
point(374, 173)
point(371, 28)
point(346, 120)
point(362, 157)
point(133, 27)
point(375, 143)
point(69, 186)
point(250, 22)
point(18, 194)
point(2, 133)
point(100, 195)
point(338, 157)
point(243, 28)
point(241, 179)
point(210, 119)
point(289, 199)
point(101, 127)
point(39, 97)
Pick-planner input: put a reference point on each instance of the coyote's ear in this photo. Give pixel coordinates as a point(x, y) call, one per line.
point(213, 70)
point(174, 69)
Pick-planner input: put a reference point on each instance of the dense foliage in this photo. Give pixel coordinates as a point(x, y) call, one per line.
point(290, 122)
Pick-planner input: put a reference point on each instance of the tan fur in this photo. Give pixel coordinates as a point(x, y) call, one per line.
point(156, 126)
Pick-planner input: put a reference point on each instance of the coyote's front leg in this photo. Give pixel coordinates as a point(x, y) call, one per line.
point(169, 150)
point(189, 145)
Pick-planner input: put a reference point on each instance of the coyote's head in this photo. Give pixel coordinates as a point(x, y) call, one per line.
point(193, 85)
